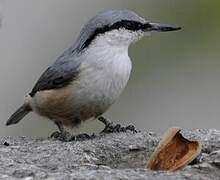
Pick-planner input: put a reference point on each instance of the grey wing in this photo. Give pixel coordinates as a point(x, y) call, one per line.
point(60, 74)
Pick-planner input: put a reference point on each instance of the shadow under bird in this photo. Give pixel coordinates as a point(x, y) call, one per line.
point(89, 76)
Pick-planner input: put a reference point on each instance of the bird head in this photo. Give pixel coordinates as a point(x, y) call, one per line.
point(118, 28)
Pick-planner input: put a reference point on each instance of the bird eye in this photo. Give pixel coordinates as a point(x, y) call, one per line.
point(133, 25)
point(130, 25)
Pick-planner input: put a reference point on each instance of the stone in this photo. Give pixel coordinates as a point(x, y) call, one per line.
point(108, 156)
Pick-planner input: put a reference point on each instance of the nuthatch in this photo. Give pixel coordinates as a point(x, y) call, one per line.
point(89, 76)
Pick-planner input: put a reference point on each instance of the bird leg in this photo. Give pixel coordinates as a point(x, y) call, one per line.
point(110, 127)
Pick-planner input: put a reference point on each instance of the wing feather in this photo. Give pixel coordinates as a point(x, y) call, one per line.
point(61, 73)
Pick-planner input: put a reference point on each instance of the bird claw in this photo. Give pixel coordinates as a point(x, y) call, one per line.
point(67, 137)
point(110, 127)
point(61, 136)
point(132, 128)
point(117, 128)
point(81, 137)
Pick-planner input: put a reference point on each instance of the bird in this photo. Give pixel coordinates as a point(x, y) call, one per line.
point(90, 75)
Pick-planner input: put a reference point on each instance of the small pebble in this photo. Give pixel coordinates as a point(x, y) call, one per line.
point(134, 148)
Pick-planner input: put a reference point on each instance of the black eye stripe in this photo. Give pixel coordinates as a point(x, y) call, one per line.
point(126, 24)
point(130, 25)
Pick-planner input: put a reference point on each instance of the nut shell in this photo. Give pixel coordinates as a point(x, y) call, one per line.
point(173, 152)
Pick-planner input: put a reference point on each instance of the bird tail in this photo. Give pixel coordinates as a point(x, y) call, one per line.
point(18, 115)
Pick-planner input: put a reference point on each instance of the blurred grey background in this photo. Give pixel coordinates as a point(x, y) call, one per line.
point(175, 79)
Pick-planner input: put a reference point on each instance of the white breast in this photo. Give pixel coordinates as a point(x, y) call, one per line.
point(105, 71)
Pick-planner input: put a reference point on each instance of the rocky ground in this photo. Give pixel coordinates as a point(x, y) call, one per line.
point(110, 156)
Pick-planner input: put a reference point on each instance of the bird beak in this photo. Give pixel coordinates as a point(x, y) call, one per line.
point(160, 27)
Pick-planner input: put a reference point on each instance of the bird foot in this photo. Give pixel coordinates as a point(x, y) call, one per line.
point(117, 128)
point(67, 137)
point(61, 136)
point(82, 137)
point(110, 127)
